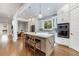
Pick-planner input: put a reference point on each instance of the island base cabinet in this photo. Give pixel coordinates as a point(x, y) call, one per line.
point(44, 45)
point(49, 45)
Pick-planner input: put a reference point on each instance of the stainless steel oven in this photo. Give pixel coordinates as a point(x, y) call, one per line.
point(63, 30)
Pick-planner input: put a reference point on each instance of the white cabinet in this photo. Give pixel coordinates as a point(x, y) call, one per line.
point(62, 41)
point(54, 21)
point(63, 17)
point(72, 16)
point(74, 29)
point(63, 14)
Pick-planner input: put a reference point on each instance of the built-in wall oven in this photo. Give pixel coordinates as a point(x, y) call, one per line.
point(63, 30)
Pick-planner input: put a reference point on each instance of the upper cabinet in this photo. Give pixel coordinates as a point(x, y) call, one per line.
point(63, 14)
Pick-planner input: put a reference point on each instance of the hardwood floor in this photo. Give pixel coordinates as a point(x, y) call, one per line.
point(61, 50)
point(11, 48)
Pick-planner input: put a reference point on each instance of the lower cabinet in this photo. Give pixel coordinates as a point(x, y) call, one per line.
point(43, 45)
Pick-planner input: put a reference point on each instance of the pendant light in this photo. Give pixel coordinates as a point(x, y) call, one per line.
point(30, 15)
point(40, 14)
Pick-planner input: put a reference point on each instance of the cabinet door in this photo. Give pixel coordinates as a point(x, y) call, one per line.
point(59, 16)
point(63, 14)
point(74, 29)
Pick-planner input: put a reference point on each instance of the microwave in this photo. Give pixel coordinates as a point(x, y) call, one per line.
point(63, 30)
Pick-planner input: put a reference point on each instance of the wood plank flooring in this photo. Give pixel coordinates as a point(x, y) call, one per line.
point(18, 49)
point(61, 50)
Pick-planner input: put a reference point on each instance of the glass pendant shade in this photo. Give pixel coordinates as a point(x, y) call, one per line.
point(40, 16)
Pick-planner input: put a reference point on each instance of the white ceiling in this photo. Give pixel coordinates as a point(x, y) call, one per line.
point(35, 9)
point(7, 10)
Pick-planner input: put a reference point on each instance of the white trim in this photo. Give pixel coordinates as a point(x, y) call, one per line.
point(22, 19)
point(21, 9)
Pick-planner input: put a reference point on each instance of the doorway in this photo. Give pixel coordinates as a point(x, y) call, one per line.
point(22, 26)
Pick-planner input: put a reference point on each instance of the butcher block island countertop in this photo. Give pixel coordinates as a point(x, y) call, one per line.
point(42, 41)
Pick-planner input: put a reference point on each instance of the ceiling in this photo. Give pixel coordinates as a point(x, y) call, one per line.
point(7, 10)
point(46, 9)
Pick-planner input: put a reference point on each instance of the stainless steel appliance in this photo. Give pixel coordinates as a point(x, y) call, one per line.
point(63, 30)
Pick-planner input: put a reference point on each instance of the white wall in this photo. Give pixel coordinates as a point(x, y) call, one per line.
point(40, 24)
point(32, 21)
point(74, 26)
point(2, 28)
point(8, 27)
point(5, 20)
point(15, 25)
point(22, 26)
point(73, 15)
point(15, 29)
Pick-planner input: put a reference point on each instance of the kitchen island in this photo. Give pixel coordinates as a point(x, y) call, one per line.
point(42, 41)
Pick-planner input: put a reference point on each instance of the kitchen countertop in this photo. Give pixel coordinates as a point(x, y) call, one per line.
point(44, 35)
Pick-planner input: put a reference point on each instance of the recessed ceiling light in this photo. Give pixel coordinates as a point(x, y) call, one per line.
point(48, 8)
